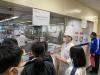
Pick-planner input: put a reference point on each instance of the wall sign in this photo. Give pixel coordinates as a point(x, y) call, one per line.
point(84, 23)
point(41, 17)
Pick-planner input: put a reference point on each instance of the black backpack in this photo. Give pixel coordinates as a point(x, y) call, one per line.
point(29, 69)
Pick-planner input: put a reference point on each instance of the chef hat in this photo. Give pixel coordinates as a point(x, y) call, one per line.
point(69, 32)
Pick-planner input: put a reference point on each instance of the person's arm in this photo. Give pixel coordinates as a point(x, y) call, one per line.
point(57, 50)
point(62, 59)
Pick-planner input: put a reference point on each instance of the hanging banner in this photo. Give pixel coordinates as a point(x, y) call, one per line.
point(41, 17)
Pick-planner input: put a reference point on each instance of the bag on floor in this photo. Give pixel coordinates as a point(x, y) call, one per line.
point(92, 61)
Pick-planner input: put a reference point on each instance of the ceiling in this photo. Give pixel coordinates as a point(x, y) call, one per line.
point(14, 7)
point(8, 10)
point(95, 4)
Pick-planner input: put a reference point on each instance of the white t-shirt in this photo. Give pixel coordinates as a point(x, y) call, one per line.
point(79, 71)
point(65, 52)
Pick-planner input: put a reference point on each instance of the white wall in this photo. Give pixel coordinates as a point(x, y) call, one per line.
point(62, 7)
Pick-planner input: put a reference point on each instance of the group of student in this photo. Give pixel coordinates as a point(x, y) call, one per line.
point(41, 62)
point(11, 55)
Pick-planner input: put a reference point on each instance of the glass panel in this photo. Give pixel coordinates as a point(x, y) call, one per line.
point(14, 18)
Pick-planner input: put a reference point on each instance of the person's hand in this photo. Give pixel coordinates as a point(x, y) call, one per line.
point(57, 56)
point(51, 52)
point(62, 59)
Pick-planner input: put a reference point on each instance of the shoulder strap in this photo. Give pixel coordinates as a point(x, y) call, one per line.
point(73, 71)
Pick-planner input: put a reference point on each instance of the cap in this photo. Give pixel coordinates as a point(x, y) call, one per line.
point(69, 31)
point(68, 34)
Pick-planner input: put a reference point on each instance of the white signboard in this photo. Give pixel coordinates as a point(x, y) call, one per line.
point(84, 24)
point(41, 17)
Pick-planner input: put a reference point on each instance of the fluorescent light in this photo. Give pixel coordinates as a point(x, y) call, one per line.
point(25, 22)
point(12, 18)
point(74, 11)
point(15, 17)
point(29, 21)
point(30, 25)
point(22, 22)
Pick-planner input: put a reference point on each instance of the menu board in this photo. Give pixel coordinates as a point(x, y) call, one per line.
point(41, 17)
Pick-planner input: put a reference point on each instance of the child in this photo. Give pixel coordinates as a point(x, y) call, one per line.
point(10, 58)
point(38, 66)
point(79, 61)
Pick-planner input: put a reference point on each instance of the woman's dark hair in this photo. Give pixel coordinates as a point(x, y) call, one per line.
point(45, 45)
point(9, 57)
point(38, 50)
point(10, 42)
point(78, 56)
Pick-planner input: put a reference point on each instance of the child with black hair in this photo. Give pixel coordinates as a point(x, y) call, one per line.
point(47, 55)
point(78, 60)
point(10, 58)
point(10, 42)
point(38, 66)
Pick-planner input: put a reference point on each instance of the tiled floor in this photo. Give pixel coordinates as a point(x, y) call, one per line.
point(92, 74)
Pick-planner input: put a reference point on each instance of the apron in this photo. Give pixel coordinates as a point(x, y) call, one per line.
point(65, 52)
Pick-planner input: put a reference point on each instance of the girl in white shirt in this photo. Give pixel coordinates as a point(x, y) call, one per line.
point(78, 60)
